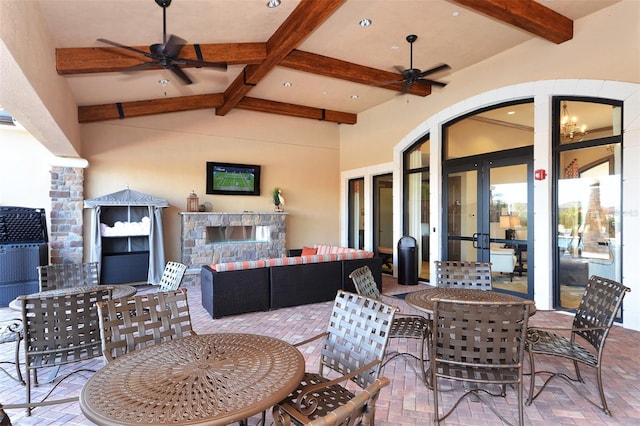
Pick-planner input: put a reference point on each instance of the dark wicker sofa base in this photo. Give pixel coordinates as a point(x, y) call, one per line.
point(252, 290)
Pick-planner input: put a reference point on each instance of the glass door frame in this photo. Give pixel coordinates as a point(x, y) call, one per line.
point(481, 239)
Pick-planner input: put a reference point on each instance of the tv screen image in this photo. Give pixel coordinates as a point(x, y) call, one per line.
point(233, 179)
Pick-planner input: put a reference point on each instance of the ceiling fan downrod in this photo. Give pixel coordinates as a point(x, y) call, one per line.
point(411, 38)
point(164, 4)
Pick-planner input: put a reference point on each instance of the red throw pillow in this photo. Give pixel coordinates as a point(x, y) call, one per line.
point(309, 251)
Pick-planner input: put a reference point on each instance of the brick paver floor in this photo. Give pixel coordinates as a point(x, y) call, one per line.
point(406, 401)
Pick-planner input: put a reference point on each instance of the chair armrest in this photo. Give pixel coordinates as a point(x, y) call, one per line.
point(316, 337)
point(307, 390)
point(533, 333)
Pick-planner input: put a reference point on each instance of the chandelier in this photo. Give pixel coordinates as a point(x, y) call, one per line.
point(569, 127)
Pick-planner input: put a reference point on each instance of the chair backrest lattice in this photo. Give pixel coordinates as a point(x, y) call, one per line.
point(61, 329)
point(488, 334)
point(172, 276)
point(66, 275)
point(357, 334)
point(130, 323)
point(597, 311)
point(463, 274)
point(365, 283)
point(354, 411)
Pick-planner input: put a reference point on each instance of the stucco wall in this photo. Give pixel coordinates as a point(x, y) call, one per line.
point(166, 156)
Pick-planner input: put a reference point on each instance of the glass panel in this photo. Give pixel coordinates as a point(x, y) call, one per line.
point(356, 213)
point(508, 222)
point(418, 157)
point(582, 121)
point(383, 218)
point(588, 212)
point(462, 213)
point(417, 195)
point(418, 217)
point(498, 129)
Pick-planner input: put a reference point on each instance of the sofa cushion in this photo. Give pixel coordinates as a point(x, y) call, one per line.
point(319, 258)
point(280, 261)
point(356, 254)
point(239, 266)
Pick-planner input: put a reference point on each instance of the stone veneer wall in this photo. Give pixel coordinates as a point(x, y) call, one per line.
point(196, 251)
point(66, 232)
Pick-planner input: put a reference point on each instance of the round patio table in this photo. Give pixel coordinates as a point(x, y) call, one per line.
point(422, 299)
point(212, 379)
point(119, 290)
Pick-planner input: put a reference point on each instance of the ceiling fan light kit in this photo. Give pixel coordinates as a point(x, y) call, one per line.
point(167, 53)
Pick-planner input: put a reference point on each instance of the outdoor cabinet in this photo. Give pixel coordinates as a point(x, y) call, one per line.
point(125, 255)
point(126, 237)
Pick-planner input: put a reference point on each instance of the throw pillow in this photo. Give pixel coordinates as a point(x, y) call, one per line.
point(309, 251)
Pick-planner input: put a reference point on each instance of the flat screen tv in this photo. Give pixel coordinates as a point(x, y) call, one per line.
point(233, 179)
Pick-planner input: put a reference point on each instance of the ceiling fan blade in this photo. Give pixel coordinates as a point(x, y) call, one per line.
point(139, 67)
point(222, 66)
point(431, 82)
point(122, 46)
point(178, 71)
point(434, 70)
point(173, 46)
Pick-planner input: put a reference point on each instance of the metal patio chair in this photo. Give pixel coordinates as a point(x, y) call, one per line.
point(463, 274)
point(130, 323)
point(404, 325)
point(11, 332)
point(355, 411)
point(594, 318)
point(352, 349)
point(65, 275)
point(480, 344)
point(172, 276)
point(59, 330)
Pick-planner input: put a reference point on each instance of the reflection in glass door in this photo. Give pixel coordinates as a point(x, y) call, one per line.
point(383, 220)
point(588, 199)
point(487, 212)
point(356, 213)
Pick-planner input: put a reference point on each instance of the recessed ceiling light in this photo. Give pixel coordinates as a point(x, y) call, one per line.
point(455, 13)
point(365, 22)
point(287, 84)
point(511, 112)
point(273, 3)
point(354, 97)
point(394, 47)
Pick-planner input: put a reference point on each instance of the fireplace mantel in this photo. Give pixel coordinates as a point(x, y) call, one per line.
point(215, 237)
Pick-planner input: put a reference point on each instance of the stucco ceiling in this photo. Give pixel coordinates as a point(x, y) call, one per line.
point(447, 33)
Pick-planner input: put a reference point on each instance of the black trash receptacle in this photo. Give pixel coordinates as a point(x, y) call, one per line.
point(407, 261)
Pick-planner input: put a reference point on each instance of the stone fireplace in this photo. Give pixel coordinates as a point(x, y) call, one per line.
point(216, 237)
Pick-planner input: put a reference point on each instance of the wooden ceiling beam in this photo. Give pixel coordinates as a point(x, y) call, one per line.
point(527, 15)
point(281, 108)
point(81, 60)
point(121, 110)
point(336, 68)
point(305, 18)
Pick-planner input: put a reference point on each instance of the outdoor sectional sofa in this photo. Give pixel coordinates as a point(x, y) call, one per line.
point(260, 285)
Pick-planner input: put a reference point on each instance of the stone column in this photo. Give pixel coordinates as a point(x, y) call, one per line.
point(66, 243)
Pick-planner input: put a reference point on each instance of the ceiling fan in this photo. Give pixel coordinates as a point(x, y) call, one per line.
point(166, 54)
point(413, 75)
